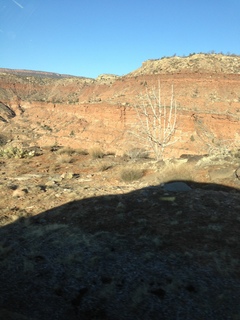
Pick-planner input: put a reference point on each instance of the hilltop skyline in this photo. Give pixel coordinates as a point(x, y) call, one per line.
point(89, 39)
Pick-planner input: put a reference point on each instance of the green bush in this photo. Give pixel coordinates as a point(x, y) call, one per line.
point(16, 152)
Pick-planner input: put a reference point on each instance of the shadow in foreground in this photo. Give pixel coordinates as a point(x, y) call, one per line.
point(162, 252)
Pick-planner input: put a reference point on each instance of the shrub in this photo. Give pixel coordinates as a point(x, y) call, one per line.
point(80, 151)
point(129, 175)
point(66, 151)
point(3, 140)
point(16, 152)
point(47, 128)
point(64, 158)
point(97, 153)
point(137, 153)
point(69, 151)
point(105, 167)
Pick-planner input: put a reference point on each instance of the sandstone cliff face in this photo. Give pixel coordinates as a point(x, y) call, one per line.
point(81, 112)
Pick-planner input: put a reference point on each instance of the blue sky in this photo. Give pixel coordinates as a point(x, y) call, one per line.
point(91, 37)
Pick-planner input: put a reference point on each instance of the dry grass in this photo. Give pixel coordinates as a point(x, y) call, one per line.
point(69, 151)
point(64, 158)
point(129, 175)
point(137, 153)
point(105, 167)
point(96, 153)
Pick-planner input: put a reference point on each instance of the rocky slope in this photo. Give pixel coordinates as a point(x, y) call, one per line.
point(91, 227)
point(78, 241)
point(195, 63)
point(74, 111)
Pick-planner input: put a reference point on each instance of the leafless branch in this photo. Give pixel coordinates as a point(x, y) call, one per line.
point(156, 121)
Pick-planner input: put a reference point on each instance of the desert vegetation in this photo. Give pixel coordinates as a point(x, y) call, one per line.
point(129, 175)
point(156, 121)
point(17, 152)
point(96, 153)
point(3, 140)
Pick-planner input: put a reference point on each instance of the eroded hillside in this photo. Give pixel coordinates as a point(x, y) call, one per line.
point(46, 109)
point(91, 225)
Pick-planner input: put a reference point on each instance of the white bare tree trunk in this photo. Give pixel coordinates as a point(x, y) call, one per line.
point(156, 121)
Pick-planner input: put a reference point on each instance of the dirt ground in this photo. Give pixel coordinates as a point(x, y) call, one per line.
point(79, 240)
point(88, 230)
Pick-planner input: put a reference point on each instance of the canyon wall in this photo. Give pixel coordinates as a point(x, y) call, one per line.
point(89, 113)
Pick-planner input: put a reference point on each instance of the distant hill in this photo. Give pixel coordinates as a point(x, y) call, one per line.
point(194, 63)
point(33, 73)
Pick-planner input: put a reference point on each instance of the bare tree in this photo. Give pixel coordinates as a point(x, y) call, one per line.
point(156, 121)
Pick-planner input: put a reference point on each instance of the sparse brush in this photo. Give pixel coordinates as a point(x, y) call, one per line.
point(137, 153)
point(80, 151)
point(3, 140)
point(54, 148)
point(110, 154)
point(235, 153)
point(16, 152)
point(64, 158)
point(105, 167)
point(71, 151)
point(129, 175)
point(97, 153)
point(68, 151)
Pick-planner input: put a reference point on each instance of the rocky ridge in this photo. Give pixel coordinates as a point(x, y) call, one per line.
point(200, 63)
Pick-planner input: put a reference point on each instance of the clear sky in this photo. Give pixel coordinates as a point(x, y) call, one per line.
point(91, 37)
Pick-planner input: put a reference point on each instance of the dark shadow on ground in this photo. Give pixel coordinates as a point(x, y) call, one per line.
point(162, 252)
